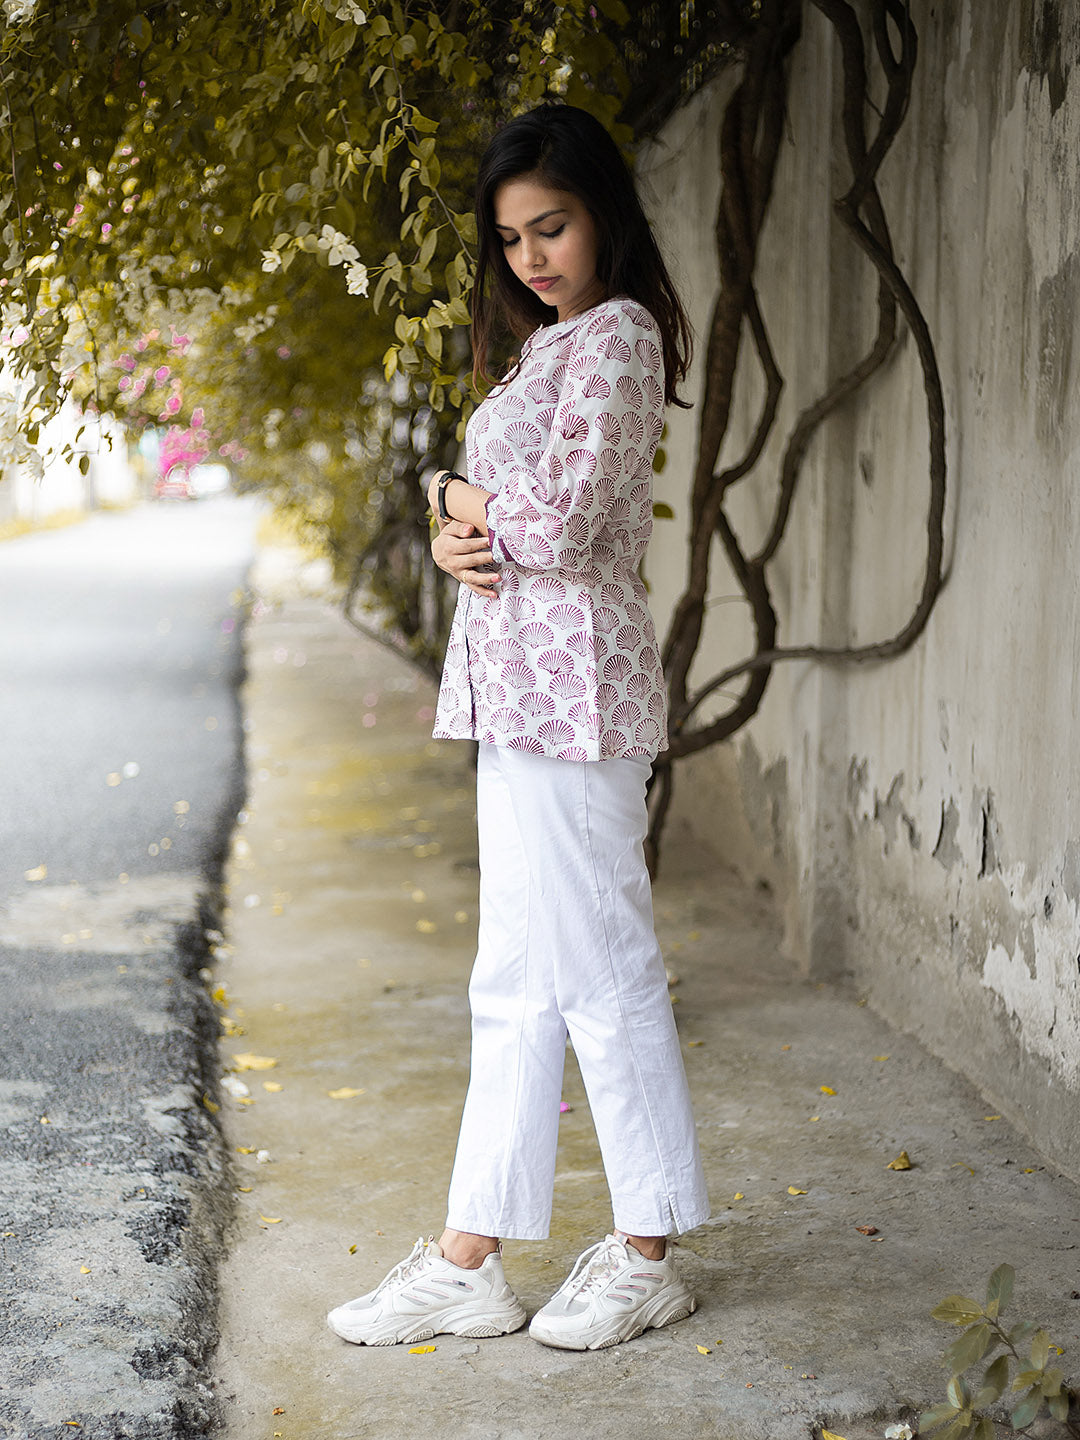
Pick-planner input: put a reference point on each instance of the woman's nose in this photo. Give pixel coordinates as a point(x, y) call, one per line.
point(532, 254)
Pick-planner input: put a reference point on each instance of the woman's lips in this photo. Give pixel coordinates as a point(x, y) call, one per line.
point(543, 282)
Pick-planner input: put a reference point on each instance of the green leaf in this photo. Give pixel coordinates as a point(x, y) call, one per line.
point(1028, 1408)
point(140, 32)
point(1020, 1335)
point(935, 1416)
point(1059, 1406)
point(662, 510)
point(984, 1430)
point(957, 1310)
point(993, 1384)
point(659, 460)
point(1040, 1349)
point(958, 1392)
point(970, 1347)
point(960, 1427)
point(1026, 1378)
point(1000, 1287)
point(1052, 1381)
point(84, 464)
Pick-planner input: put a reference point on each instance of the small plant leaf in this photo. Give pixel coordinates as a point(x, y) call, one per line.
point(1040, 1349)
point(970, 1348)
point(957, 1310)
point(935, 1416)
point(1028, 1408)
point(993, 1385)
point(958, 1392)
point(984, 1430)
point(959, 1428)
point(1000, 1287)
point(1052, 1381)
point(1020, 1335)
point(1026, 1378)
point(1059, 1406)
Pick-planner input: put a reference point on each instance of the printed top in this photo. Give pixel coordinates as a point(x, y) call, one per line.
point(563, 659)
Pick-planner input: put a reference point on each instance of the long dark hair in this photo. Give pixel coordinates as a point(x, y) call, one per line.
point(568, 149)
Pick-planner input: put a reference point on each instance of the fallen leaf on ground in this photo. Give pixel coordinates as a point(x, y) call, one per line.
point(345, 1093)
point(879, 1058)
point(84, 1269)
point(814, 1119)
point(211, 1105)
point(791, 1190)
point(352, 1249)
point(830, 1435)
point(245, 1149)
point(827, 1090)
point(785, 1047)
point(38, 873)
point(703, 1350)
point(867, 1229)
point(247, 1061)
point(279, 1409)
point(991, 1117)
point(902, 1162)
point(692, 1043)
point(273, 1086)
point(245, 1189)
point(422, 1350)
point(738, 1195)
point(270, 1219)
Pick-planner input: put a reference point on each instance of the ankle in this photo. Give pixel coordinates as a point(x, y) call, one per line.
point(649, 1247)
point(467, 1251)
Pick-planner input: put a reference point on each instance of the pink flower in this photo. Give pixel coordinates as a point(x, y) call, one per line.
point(126, 362)
point(197, 418)
point(141, 344)
point(161, 374)
point(106, 230)
point(57, 164)
point(180, 342)
point(140, 386)
point(78, 210)
point(283, 352)
point(172, 405)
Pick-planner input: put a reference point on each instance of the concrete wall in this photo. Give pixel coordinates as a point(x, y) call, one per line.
point(920, 819)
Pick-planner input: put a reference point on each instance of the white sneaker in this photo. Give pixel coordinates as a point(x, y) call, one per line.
point(426, 1295)
point(612, 1294)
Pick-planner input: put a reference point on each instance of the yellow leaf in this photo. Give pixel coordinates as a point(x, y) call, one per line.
point(245, 1189)
point(785, 1047)
point(814, 1119)
point(273, 1086)
point(220, 994)
point(270, 1219)
point(703, 1350)
point(792, 1190)
point(827, 1090)
point(38, 873)
point(738, 1195)
point(84, 1269)
point(345, 1093)
point(692, 1043)
point(247, 1061)
point(902, 1162)
point(422, 1350)
point(830, 1435)
point(211, 1105)
point(881, 1057)
point(352, 1249)
point(991, 1117)
point(245, 1149)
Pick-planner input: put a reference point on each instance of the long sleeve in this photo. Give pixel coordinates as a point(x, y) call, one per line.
point(608, 416)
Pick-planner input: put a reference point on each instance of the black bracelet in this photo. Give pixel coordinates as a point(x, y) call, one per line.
point(444, 480)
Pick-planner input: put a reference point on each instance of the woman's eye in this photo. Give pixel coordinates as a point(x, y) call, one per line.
point(507, 243)
point(552, 234)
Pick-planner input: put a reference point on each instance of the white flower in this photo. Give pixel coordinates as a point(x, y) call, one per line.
point(356, 278)
point(271, 260)
point(340, 249)
point(351, 11)
point(899, 1432)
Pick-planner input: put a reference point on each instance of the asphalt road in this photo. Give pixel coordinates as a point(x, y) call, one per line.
point(120, 779)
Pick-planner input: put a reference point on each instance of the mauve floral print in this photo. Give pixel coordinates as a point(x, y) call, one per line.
point(563, 659)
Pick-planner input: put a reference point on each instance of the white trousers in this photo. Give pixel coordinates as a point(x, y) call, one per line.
point(566, 946)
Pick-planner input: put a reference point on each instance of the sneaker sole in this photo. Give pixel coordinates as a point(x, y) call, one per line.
point(405, 1330)
point(598, 1338)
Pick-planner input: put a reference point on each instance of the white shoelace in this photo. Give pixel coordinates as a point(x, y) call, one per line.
point(409, 1266)
point(594, 1265)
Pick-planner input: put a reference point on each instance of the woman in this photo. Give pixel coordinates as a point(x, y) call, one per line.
point(553, 667)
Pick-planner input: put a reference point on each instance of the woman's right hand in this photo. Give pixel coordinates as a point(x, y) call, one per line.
point(459, 550)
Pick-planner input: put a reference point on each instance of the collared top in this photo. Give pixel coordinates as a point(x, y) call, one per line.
point(563, 659)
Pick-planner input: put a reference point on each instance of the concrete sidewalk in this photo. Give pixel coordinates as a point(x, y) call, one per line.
point(353, 913)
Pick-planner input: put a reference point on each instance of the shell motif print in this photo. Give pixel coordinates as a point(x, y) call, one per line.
point(563, 659)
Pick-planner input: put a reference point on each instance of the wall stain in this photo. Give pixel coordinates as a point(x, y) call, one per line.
point(891, 815)
point(946, 851)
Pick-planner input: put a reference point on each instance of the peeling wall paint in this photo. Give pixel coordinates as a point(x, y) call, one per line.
point(920, 820)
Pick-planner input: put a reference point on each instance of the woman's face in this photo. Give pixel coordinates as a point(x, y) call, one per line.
point(550, 243)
